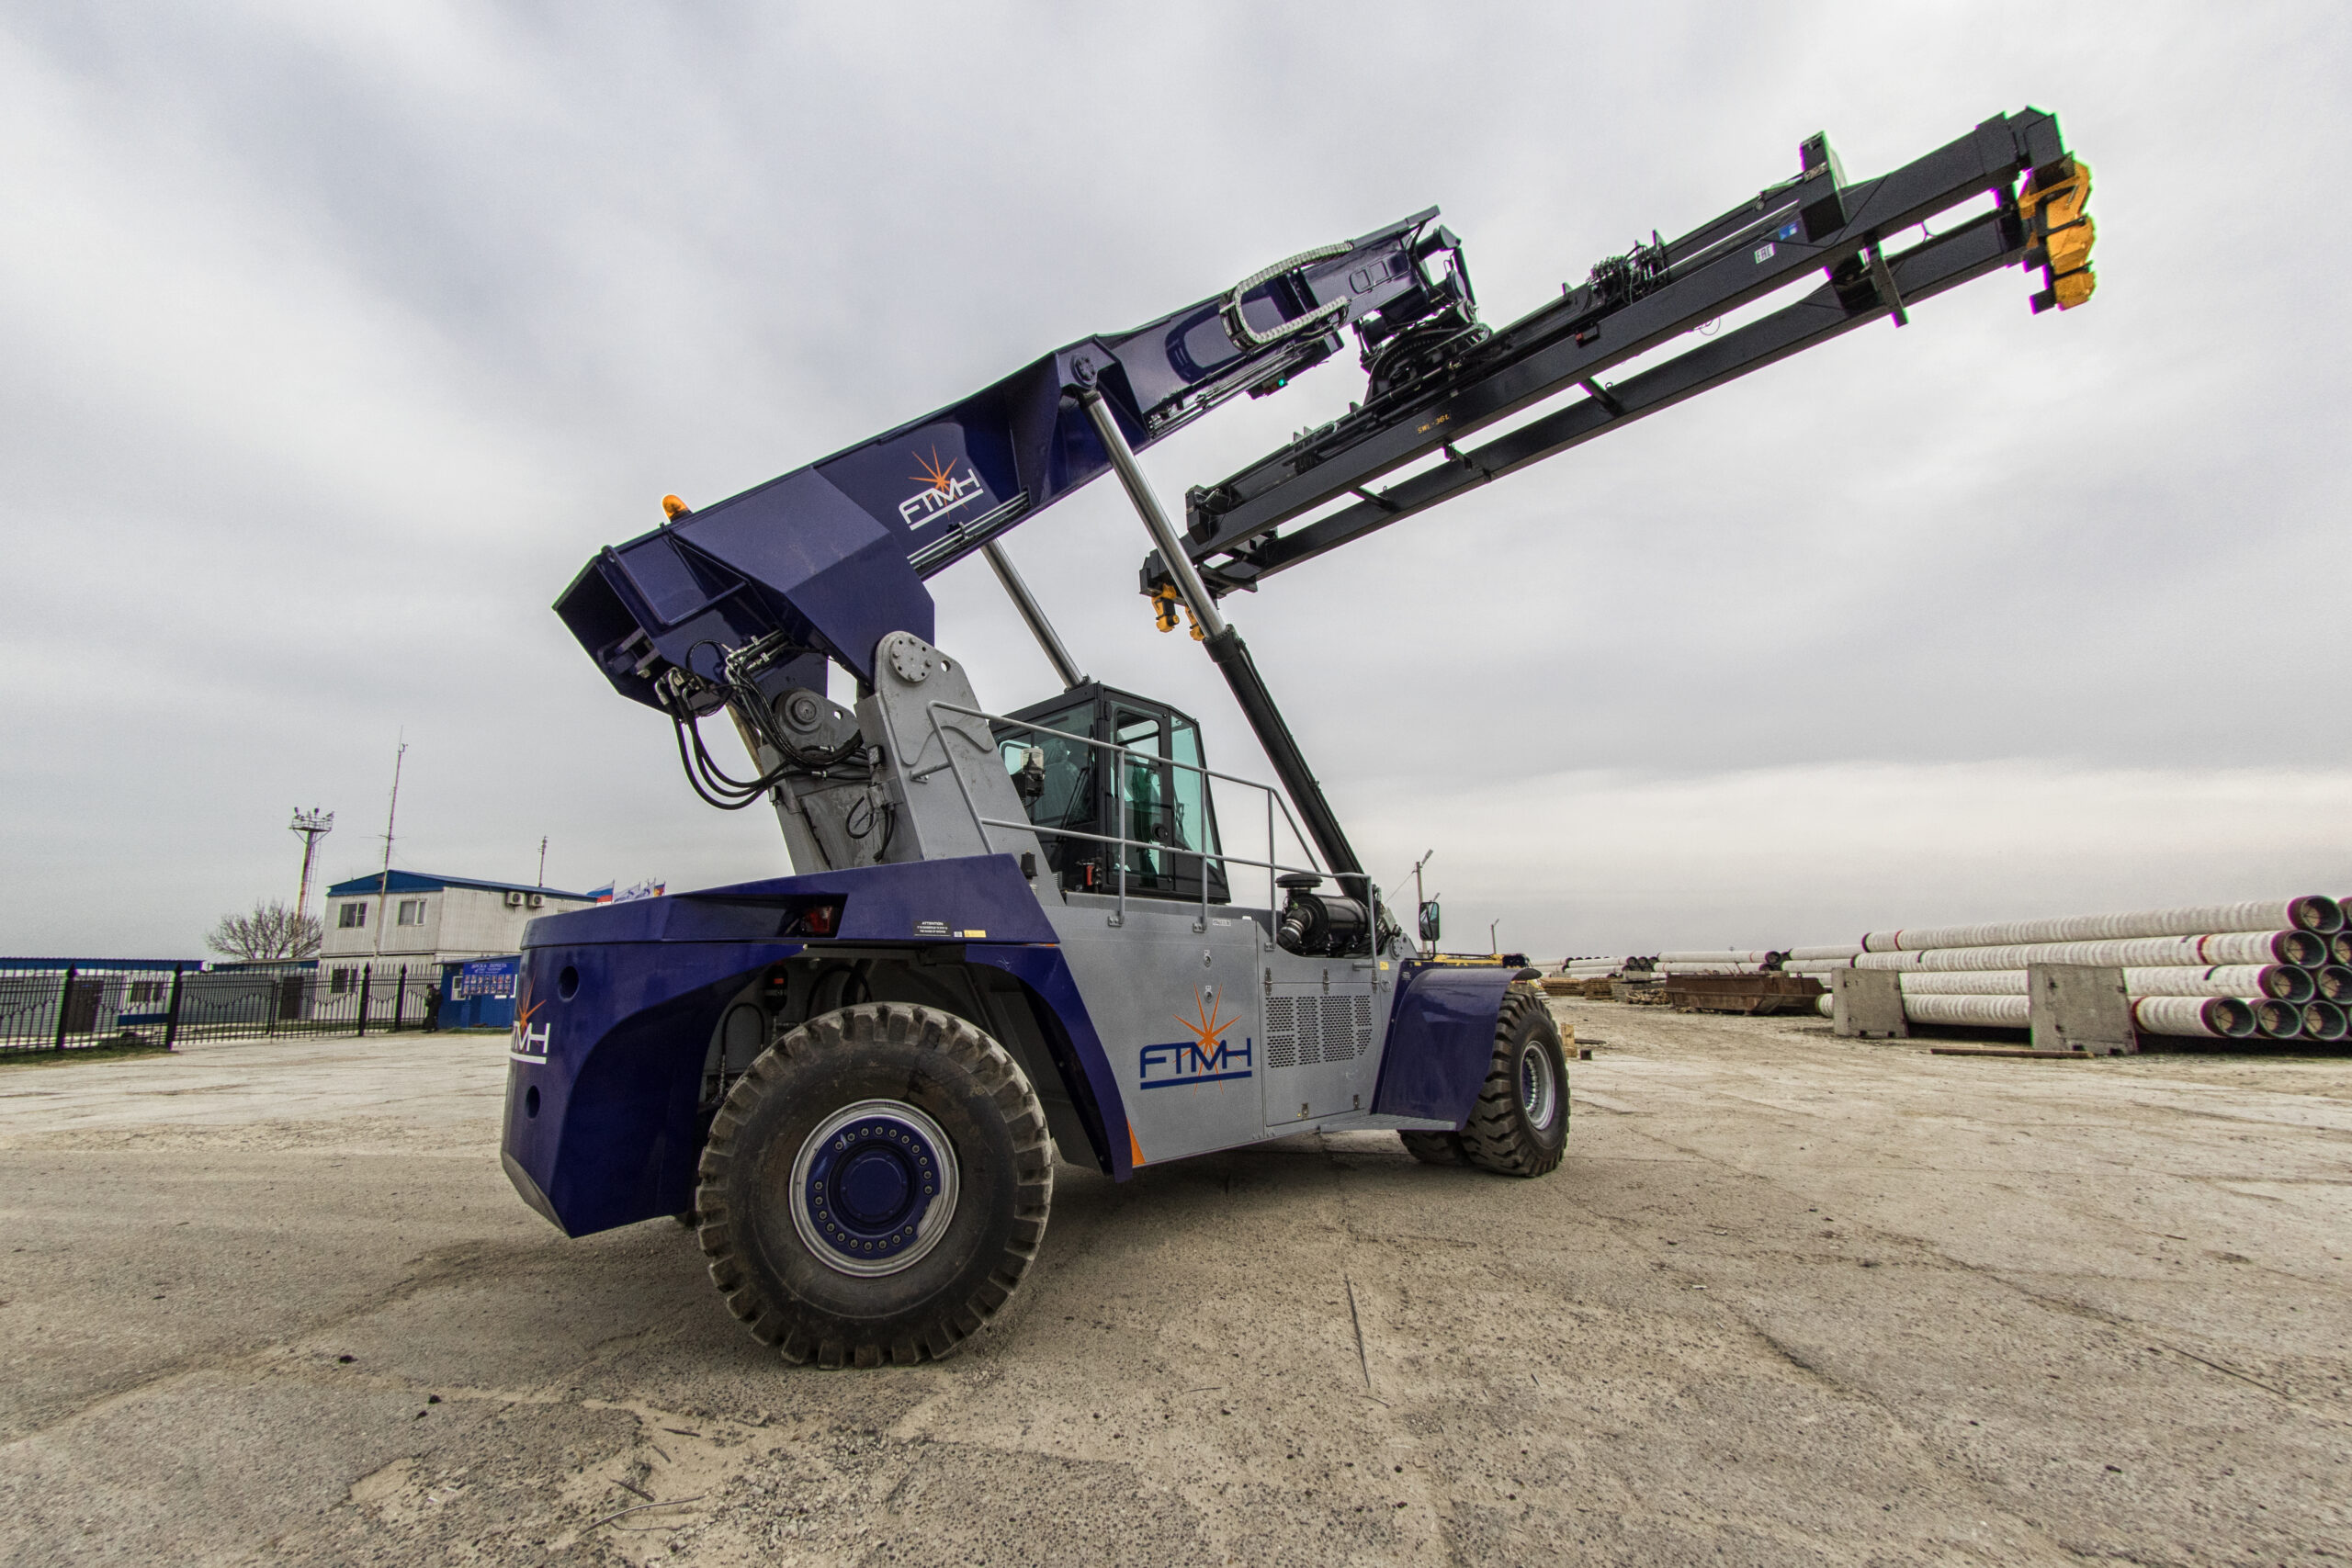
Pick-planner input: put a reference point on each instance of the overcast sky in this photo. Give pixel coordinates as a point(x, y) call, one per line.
point(333, 339)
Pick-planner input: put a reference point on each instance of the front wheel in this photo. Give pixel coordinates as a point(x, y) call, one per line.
point(875, 1185)
point(1520, 1127)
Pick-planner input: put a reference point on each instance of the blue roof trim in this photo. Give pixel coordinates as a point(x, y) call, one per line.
point(427, 881)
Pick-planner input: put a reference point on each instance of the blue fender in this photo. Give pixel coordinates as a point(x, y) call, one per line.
point(617, 1005)
point(1440, 1040)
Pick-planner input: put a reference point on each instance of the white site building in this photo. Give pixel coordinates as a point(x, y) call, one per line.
point(418, 920)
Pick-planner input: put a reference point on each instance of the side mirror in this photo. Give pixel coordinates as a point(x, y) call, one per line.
point(1429, 921)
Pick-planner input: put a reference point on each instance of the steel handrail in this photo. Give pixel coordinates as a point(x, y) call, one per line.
point(1273, 797)
point(1267, 790)
point(1203, 856)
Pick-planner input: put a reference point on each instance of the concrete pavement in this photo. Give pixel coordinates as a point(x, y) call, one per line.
point(1790, 1300)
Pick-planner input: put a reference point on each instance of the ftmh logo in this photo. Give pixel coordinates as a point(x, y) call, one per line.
point(943, 491)
point(1207, 1057)
point(529, 1041)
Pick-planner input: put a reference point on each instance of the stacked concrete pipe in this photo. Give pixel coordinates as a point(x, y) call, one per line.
point(1729, 960)
point(2279, 969)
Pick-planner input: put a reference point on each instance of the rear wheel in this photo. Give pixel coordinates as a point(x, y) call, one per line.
point(874, 1187)
point(1520, 1127)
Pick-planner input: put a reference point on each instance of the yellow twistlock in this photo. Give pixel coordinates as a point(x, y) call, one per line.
point(2058, 233)
point(1164, 605)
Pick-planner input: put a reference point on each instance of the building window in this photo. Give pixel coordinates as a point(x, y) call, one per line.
point(340, 980)
point(351, 915)
point(411, 912)
point(145, 993)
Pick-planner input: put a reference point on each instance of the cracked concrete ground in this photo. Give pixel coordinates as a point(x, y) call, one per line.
point(1790, 1300)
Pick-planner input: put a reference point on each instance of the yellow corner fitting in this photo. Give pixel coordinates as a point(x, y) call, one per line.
point(673, 509)
point(2058, 224)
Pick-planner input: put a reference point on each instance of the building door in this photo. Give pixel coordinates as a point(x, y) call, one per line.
point(82, 1006)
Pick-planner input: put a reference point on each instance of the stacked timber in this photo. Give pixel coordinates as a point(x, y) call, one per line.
point(2279, 969)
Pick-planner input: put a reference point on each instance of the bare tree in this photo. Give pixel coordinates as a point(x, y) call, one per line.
point(269, 930)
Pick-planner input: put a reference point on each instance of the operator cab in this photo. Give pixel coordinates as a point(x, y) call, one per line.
point(1134, 782)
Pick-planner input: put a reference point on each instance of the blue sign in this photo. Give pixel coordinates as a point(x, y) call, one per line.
point(487, 977)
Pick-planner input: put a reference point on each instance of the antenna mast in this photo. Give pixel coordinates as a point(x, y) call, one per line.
point(392, 812)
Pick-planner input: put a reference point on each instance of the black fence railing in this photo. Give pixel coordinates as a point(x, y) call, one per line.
point(64, 1005)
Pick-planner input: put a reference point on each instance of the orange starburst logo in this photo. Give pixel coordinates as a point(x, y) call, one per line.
point(939, 476)
point(1205, 1025)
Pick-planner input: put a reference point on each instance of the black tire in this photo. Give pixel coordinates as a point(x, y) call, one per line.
point(893, 1079)
point(1520, 1127)
point(1435, 1148)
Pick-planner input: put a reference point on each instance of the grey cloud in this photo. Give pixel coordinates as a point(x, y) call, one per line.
point(333, 340)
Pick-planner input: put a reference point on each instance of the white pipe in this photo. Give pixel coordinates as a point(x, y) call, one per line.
point(2228, 947)
point(1721, 956)
point(2211, 1018)
point(1963, 983)
point(2276, 1020)
point(2324, 1021)
point(2309, 912)
point(2333, 983)
point(1809, 954)
point(2281, 982)
point(1989, 1012)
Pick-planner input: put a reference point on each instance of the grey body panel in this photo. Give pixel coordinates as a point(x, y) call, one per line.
point(1181, 999)
point(943, 773)
point(1297, 1042)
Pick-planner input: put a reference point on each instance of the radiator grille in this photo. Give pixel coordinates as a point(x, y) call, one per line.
point(1281, 1032)
point(1303, 1031)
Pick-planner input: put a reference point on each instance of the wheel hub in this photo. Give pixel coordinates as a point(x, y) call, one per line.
point(874, 1186)
point(1539, 1089)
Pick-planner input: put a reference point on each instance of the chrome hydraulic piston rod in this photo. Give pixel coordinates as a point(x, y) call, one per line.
point(1034, 614)
point(1232, 656)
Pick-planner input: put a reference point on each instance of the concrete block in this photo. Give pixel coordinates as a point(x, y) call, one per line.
point(1867, 1004)
point(2080, 1007)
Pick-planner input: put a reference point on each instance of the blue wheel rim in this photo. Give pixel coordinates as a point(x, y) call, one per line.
point(874, 1188)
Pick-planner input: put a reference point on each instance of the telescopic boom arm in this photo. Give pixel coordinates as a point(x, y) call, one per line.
point(1432, 390)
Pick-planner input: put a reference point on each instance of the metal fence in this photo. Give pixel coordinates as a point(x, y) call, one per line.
point(65, 1004)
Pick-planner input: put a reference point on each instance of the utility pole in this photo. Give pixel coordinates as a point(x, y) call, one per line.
point(1492, 945)
point(543, 861)
point(392, 814)
point(1419, 902)
point(313, 824)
